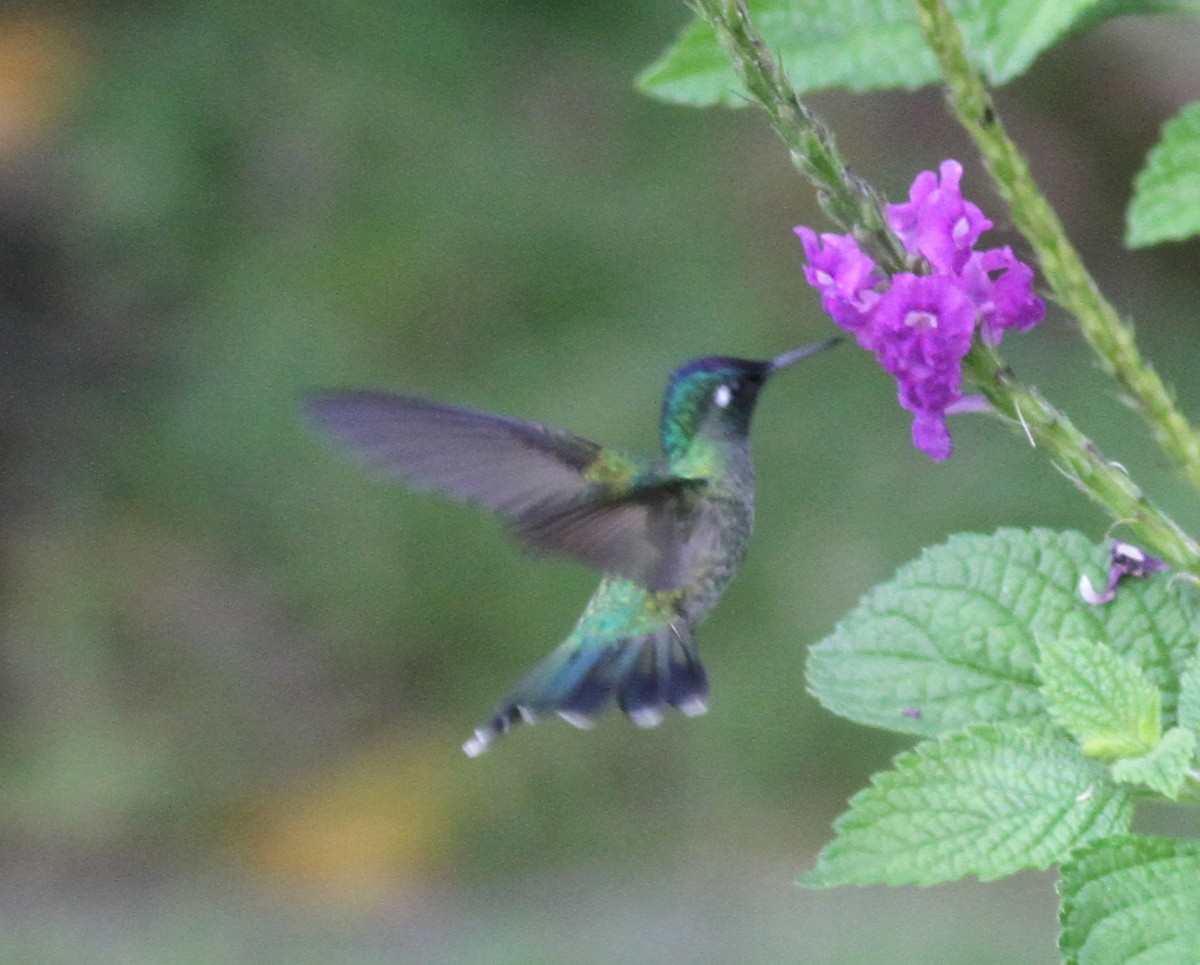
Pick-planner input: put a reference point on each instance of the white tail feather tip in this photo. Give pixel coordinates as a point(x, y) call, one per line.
point(694, 707)
point(646, 717)
point(577, 720)
point(478, 743)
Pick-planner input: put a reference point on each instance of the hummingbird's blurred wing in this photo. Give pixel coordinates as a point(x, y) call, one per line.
point(561, 492)
point(645, 532)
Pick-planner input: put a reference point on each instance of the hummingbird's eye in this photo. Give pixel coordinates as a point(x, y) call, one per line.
point(722, 396)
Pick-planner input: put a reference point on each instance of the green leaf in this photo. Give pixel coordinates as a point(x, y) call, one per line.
point(1189, 699)
point(1101, 698)
point(1107, 9)
point(987, 801)
point(1166, 192)
point(1163, 769)
point(1128, 899)
point(1025, 28)
point(866, 45)
point(952, 638)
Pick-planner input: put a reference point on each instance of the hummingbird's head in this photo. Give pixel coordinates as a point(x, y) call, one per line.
point(716, 395)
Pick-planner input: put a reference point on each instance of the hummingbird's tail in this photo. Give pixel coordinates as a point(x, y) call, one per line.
point(646, 674)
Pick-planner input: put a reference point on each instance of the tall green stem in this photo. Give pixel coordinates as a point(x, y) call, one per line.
point(1111, 339)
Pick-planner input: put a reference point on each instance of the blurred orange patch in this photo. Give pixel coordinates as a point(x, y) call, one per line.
point(366, 828)
point(41, 65)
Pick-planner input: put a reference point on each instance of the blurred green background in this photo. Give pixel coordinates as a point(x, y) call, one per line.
point(235, 670)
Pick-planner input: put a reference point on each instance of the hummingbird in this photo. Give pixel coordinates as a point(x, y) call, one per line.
point(668, 534)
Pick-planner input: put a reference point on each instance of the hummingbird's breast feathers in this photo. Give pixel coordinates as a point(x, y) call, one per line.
point(719, 463)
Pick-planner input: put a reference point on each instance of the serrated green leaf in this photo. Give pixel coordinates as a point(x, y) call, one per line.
point(988, 801)
point(1164, 769)
point(1166, 192)
point(1128, 899)
point(866, 45)
point(952, 639)
point(1103, 699)
point(1189, 699)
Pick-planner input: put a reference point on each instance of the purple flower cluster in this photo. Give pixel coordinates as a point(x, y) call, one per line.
point(920, 324)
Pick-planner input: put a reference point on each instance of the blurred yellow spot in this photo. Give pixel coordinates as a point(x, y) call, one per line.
point(373, 825)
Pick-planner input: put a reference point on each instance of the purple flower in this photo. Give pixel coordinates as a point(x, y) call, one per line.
point(936, 223)
point(923, 329)
point(1004, 302)
point(845, 277)
point(921, 325)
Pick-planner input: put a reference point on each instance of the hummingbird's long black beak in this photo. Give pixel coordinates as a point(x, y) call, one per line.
point(803, 352)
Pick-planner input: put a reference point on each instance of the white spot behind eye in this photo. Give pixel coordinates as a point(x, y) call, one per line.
point(722, 396)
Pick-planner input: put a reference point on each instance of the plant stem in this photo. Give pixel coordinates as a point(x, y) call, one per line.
point(1111, 339)
point(1077, 458)
point(851, 203)
point(854, 206)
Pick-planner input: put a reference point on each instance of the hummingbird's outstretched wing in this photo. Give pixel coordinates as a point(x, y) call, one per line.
point(561, 492)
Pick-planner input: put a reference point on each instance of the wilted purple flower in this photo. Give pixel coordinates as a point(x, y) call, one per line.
point(1125, 560)
point(920, 325)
